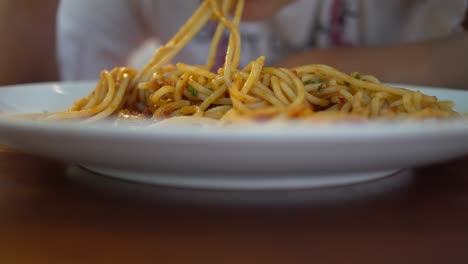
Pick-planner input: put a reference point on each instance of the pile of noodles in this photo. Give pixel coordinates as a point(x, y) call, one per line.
point(231, 94)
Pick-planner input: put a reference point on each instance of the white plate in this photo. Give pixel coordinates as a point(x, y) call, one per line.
point(254, 158)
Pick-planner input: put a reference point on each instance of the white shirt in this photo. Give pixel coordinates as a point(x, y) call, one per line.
point(102, 34)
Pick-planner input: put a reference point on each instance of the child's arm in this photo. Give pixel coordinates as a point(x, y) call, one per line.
point(441, 62)
point(97, 34)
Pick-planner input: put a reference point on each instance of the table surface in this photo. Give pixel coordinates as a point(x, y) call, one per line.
point(52, 212)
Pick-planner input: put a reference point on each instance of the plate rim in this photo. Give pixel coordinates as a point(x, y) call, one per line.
point(355, 131)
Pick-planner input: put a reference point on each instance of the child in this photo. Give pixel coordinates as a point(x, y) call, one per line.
point(409, 41)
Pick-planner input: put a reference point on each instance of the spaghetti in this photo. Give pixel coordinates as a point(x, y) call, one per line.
point(255, 93)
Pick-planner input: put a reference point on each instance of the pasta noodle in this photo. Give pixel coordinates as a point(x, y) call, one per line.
point(179, 93)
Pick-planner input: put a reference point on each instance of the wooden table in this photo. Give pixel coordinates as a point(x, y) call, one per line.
point(54, 213)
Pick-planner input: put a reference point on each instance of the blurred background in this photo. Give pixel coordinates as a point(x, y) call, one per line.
point(31, 30)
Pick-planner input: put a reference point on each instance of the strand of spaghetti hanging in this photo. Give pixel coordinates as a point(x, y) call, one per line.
point(210, 63)
point(166, 53)
point(156, 63)
point(233, 53)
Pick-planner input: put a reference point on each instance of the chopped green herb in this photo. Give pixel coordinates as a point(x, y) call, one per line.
point(314, 81)
point(192, 91)
point(320, 88)
point(357, 76)
point(386, 103)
